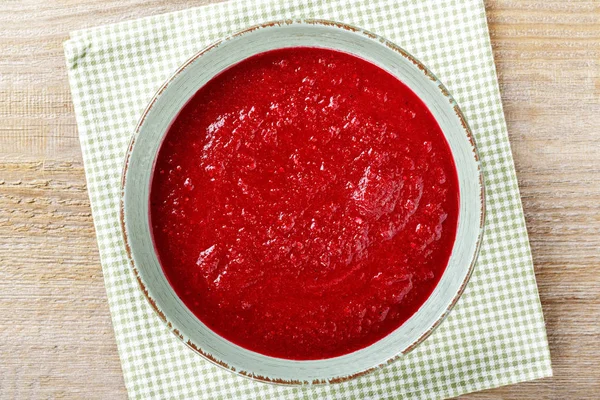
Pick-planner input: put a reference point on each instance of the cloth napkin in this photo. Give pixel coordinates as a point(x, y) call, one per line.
point(494, 336)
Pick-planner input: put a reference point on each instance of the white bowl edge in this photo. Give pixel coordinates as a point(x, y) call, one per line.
point(165, 106)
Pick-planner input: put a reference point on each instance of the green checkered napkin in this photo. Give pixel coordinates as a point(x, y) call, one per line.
point(494, 336)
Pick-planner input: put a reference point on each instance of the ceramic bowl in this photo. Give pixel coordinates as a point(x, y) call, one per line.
point(138, 172)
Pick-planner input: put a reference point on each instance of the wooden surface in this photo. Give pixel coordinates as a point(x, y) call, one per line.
point(56, 338)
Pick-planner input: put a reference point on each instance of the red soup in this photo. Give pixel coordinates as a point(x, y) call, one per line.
point(304, 203)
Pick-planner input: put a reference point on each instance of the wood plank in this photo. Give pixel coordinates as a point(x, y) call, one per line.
point(56, 338)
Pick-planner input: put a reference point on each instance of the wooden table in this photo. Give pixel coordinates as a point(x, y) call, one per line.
point(56, 338)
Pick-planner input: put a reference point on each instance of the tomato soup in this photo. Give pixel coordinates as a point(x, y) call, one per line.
point(304, 203)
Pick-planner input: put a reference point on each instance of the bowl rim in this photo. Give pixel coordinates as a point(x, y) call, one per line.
point(326, 23)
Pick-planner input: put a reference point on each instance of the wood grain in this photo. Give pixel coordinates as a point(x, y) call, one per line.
point(56, 338)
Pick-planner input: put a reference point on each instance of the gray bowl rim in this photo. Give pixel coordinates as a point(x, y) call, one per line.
point(197, 347)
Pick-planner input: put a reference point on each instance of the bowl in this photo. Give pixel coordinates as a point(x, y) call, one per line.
point(165, 106)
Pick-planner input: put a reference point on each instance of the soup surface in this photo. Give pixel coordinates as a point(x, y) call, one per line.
point(304, 203)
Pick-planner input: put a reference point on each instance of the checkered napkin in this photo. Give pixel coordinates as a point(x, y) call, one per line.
point(494, 336)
